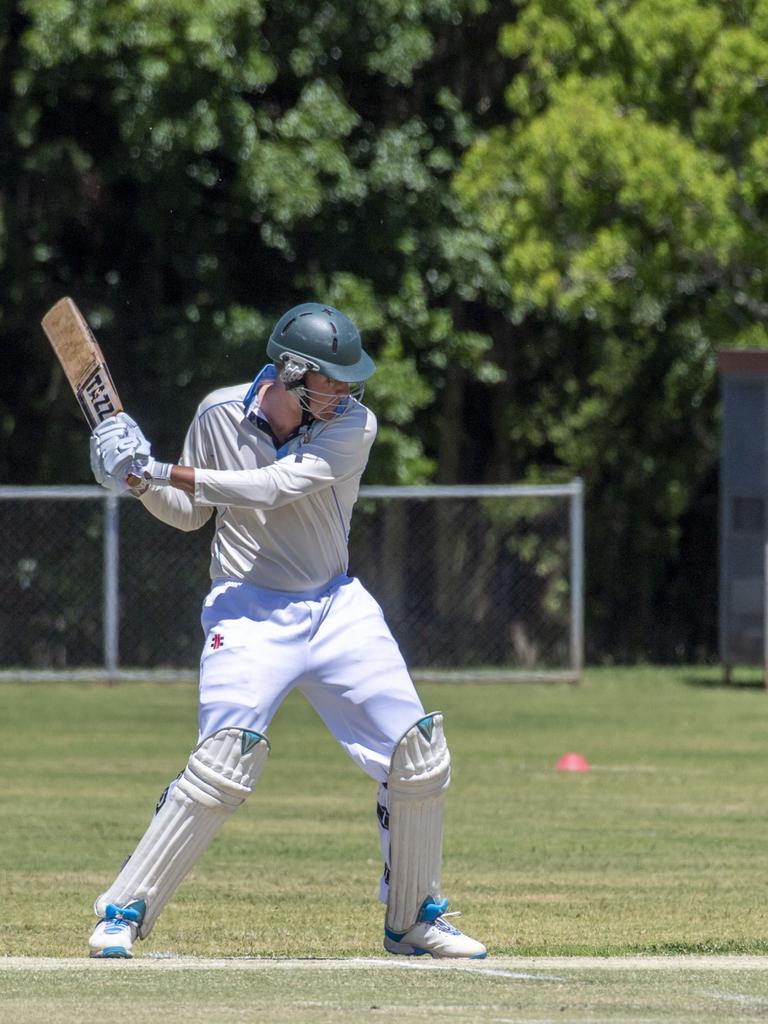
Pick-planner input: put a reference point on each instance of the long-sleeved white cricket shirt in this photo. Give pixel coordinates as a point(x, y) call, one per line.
point(282, 515)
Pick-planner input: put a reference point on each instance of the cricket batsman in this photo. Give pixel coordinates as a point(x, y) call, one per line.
point(279, 463)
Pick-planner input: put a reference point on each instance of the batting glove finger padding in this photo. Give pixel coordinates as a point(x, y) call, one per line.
point(121, 423)
point(117, 455)
point(116, 444)
point(110, 483)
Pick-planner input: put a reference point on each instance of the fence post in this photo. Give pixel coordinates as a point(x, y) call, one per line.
point(577, 576)
point(110, 614)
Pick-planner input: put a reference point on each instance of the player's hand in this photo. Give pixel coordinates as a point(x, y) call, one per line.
point(116, 444)
point(108, 482)
point(119, 425)
point(104, 433)
point(152, 471)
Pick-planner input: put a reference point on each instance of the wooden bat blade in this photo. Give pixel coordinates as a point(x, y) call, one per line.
point(82, 361)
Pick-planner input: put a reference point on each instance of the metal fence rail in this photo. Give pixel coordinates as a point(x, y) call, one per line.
point(476, 581)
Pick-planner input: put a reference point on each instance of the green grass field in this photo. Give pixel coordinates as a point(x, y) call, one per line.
point(659, 849)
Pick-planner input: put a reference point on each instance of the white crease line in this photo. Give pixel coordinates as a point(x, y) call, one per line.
point(728, 997)
point(504, 966)
point(517, 975)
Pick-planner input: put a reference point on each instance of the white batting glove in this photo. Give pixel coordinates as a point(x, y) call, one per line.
point(112, 427)
point(120, 423)
point(108, 482)
point(116, 443)
point(152, 471)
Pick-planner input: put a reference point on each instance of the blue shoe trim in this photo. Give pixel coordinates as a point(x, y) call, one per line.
point(478, 956)
point(395, 936)
point(113, 953)
point(430, 909)
point(134, 912)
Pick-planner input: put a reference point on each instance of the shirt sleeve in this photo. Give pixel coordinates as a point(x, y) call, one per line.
point(173, 506)
point(338, 452)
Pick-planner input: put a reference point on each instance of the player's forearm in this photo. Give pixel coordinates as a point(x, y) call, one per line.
point(183, 478)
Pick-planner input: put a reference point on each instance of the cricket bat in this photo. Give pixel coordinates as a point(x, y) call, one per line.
point(82, 361)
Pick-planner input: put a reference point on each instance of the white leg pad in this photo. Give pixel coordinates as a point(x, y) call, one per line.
point(419, 774)
point(220, 774)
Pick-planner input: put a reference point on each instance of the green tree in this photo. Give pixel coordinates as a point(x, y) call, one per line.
point(626, 198)
point(188, 170)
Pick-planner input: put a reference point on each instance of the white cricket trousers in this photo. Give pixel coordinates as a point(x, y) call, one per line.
point(333, 645)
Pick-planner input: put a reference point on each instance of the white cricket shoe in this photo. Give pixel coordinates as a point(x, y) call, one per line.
point(434, 936)
point(114, 935)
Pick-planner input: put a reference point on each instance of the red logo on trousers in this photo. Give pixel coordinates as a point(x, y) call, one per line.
point(217, 642)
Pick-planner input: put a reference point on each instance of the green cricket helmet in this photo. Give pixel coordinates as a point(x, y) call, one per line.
point(317, 337)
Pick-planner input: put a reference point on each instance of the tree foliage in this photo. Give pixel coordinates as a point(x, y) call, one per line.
point(546, 218)
point(188, 170)
point(626, 195)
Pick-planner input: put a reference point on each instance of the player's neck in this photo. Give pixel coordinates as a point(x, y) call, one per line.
point(279, 408)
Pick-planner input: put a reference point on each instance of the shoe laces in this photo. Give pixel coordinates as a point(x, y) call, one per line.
point(118, 919)
point(117, 926)
point(443, 925)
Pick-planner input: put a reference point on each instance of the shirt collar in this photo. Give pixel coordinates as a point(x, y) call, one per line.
point(251, 400)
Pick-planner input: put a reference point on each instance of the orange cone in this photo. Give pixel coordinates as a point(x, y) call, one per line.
point(572, 763)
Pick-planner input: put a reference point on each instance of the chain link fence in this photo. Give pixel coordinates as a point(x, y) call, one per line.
point(473, 581)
